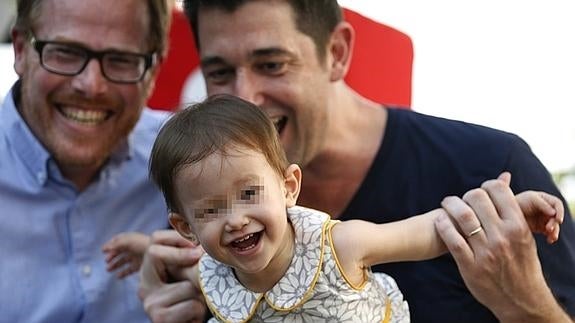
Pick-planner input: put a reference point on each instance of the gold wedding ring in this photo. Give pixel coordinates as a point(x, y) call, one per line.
point(474, 232)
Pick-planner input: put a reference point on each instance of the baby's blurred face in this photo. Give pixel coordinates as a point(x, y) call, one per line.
point(236, 206)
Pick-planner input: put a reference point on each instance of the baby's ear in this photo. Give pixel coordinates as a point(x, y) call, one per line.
point(292, 182)
point(180, 224)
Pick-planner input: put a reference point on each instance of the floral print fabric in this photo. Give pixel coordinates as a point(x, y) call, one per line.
point(312, 290)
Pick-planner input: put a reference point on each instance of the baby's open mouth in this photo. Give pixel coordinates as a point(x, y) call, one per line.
point(247, 242)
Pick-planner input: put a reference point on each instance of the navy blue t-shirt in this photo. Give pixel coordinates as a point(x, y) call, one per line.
point(423, 159)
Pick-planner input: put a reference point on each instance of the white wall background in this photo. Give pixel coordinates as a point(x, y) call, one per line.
point(505, 64)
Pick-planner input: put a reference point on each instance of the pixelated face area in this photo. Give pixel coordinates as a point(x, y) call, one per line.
point(246, 192)
point(236, 207)
point(221, 185)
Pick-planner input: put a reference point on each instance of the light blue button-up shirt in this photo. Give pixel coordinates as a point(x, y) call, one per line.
point(52, 268)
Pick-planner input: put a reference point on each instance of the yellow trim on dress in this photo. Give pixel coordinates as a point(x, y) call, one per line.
point(387, 315)
point(339, 267)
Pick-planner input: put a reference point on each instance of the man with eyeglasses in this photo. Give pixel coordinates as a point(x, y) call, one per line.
point(74, 144)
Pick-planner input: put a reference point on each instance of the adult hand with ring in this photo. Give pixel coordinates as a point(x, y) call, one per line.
point(494, 249)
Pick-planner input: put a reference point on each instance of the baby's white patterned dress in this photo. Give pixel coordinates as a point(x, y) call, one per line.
point(312, 290)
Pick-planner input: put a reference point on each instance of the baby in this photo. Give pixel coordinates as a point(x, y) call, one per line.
point(230, 189)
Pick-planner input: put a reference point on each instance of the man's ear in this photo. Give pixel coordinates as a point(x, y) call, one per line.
point(153, 74)
point(19, 44)
point(292, 184)
point(179, 223)
point(340, 49)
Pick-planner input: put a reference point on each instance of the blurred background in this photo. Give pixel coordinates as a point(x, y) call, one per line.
point(504, 64)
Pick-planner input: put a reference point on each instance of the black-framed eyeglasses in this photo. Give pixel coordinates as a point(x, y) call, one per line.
point(70, 59)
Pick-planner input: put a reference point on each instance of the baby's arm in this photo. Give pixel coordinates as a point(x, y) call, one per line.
point(361, 244)
point(544, 213)
point(124, 252)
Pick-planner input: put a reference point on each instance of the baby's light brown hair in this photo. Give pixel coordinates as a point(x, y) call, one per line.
point(219, 124)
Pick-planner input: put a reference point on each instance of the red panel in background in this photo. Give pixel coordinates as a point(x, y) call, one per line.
point(382, 61)
point(381, 66)
point(181, 60)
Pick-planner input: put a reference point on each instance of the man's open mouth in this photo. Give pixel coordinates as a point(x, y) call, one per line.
point(90, 117)
point(279, 123)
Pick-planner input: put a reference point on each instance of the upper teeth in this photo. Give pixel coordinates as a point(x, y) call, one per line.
point(245, 238)
point(85, 116)
point(275, 119)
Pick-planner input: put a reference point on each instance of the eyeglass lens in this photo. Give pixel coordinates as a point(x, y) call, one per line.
point(71, 60)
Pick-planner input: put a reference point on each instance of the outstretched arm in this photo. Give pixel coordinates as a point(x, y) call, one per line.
point(416, 238)
point(361, 244)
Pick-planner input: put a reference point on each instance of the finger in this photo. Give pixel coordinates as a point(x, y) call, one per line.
point(127, 241)
point(152, 273)
point(170, 238)
point(556, 204)
point(550, 225)
point(128, 270)
point(464, 217)
point(194, 310)
point(167, 296)
point(543, 204)
point(118, 242)
point(505, 177)
point(556, 233)
point(539, 211)
point(176, 256)
point(157, 259)
point(189, 311)
point(454, 241)
point(552, 231)
point(118, 263)
point(109, 245)
point(187, 273)
point(174, 293)
point(504, 200)
point(110, 255)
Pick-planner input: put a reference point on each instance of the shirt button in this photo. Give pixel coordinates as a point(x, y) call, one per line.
point(86, 270)
point(41, 177)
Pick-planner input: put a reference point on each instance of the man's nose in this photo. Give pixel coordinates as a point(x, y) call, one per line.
point(249, 87)
point(91, 81)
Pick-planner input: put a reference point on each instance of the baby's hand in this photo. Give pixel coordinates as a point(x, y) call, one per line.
point(125, 252)
point(543, 212)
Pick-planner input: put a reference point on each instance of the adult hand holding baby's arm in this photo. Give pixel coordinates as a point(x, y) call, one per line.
point(490, 240)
